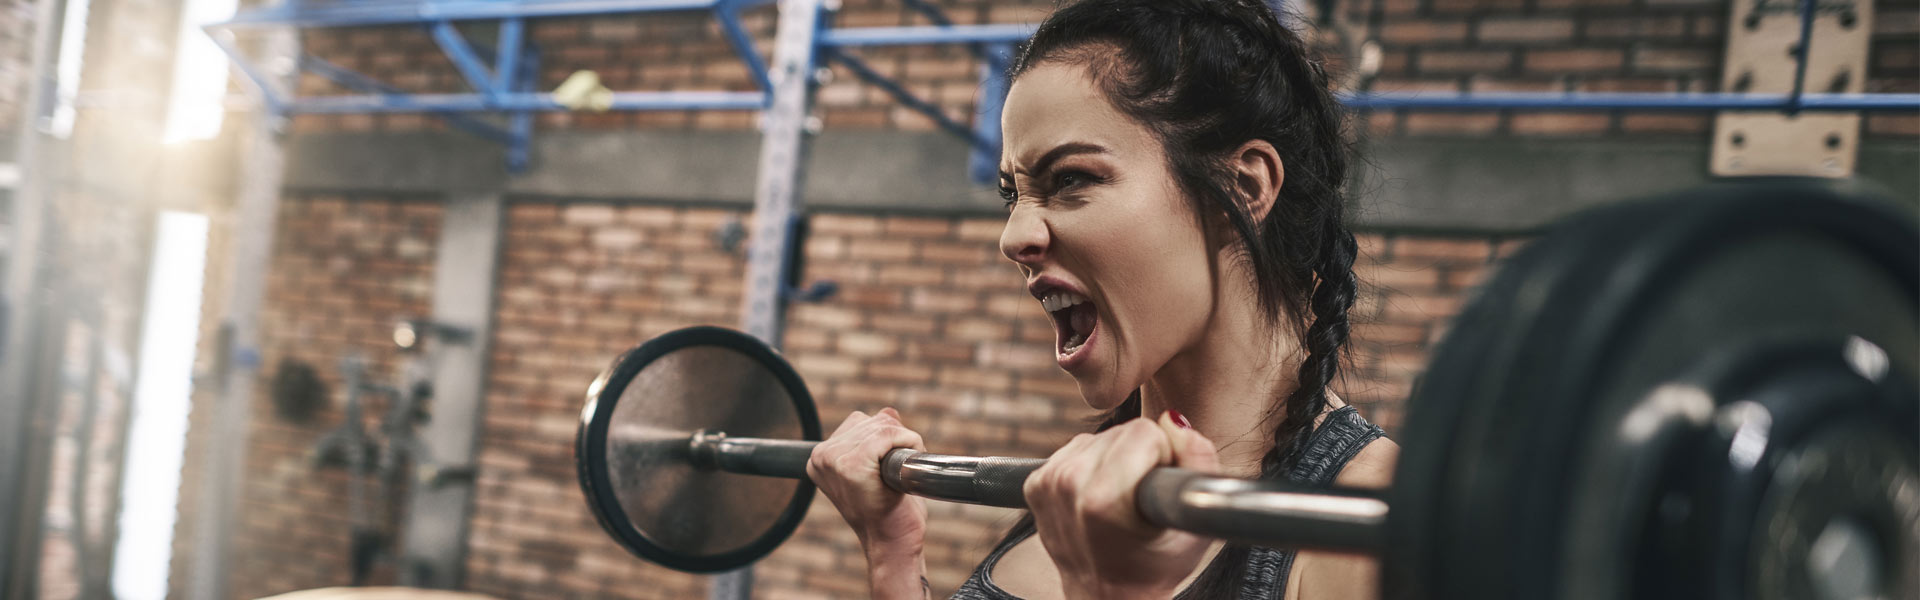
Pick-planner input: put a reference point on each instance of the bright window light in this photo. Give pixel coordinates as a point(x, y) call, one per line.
point(66, 88)
point(157, 437)
point(198, 100)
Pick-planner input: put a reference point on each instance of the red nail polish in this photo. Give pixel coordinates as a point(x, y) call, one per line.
point(1179, 419)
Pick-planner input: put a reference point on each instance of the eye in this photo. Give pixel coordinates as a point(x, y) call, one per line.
point(1068, 179)
point(1007, 194)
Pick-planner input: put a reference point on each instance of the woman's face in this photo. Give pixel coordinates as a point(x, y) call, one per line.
point(1101, 232)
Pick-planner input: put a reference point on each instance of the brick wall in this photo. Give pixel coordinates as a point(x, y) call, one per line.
point(930, 319)
point(343, 271)
point(1428, 45)
point(1586, 46)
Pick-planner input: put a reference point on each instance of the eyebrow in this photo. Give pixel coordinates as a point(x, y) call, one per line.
point(1058, 152)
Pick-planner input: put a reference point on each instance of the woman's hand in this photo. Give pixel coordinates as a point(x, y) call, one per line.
point(891, 526)
point(1083, 507)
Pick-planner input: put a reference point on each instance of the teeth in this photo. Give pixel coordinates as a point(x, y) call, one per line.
point(1061, 299)
point(1073, 344)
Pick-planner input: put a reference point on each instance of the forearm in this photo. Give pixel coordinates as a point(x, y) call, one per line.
point(898, 573)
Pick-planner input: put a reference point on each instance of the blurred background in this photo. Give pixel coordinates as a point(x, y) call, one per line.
point(339, 333)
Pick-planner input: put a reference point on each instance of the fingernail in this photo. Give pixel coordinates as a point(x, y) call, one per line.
point(1179, 419)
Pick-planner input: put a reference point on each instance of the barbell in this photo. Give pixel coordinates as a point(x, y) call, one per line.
point(1709, 394)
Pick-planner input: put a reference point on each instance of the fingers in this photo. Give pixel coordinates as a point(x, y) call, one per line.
point(1190, 449)
point(1093, 477)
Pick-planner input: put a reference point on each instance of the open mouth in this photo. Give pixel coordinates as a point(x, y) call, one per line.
point(1074, 321)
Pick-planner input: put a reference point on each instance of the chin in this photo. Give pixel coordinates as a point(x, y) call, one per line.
point(1102, 395)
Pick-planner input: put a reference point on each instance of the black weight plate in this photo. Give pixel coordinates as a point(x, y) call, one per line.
point(631, 451)
point(1547, 413)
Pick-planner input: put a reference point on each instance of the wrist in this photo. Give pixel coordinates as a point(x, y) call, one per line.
point(892, 551)
point(886, 542)
point(897, 573)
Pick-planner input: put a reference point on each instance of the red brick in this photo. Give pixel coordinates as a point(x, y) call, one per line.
point(1583, 60)
point(879, 249)
point(904, 324)
point(916, 274)
point(1451, 123)
point(1494, 84)
point(916, 227)
point(1524, 30)
point(1676, 60)
point(978, 329)
point(1465, 61)
point(943, 302)
point(843, 224)
point(1664, 123)
point(985, 230)
point(1635, 27)
point(856, 343)
point(1459, 6)
point(589, 214)
point(1398, 277)
point(1424, 31)
point(1416, 85)
point(969, 253)
point(1628, 84)
point(1557, 124)
point(1420, 309)
point(899, 371)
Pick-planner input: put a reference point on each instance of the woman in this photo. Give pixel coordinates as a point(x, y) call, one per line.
point(1172, 171)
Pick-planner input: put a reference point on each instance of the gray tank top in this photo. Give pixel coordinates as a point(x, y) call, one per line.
point(1340, 436)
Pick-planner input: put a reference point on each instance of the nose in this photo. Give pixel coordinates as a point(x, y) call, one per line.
point(1025, 238)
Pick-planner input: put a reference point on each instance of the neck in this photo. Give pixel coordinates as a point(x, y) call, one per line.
point(1228, 383)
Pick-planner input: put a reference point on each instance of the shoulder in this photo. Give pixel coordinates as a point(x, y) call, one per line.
point(1343, 575)
point(1372, 467)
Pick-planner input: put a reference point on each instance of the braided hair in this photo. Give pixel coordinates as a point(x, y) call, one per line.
point(1206, 77)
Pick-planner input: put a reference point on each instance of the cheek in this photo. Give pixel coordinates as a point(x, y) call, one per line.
point(1157, 277)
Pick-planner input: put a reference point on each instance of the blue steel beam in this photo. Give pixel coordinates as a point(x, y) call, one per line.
point(348, 13)
point(524, 101)
point(902, 96)
point(520, 124)
point(355, 81)
point(275, 101)
point(464, 59)
point(727, 12)
point(904, 36)
point(983, 163)
point(507, 60)
point(933, 13)
point(1626, 101)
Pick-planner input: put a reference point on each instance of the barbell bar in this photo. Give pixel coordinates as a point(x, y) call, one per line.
point(1167, 497)
point(1709, 394)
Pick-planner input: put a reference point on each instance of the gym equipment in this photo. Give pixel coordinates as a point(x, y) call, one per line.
point(1705, 395)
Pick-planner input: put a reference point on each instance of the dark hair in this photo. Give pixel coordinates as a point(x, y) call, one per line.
point(1206, 77)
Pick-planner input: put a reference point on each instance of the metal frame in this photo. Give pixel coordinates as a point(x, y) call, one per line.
point(507, 85)
point(502, 86)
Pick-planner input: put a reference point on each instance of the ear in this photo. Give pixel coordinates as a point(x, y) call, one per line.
point(1257, 173)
